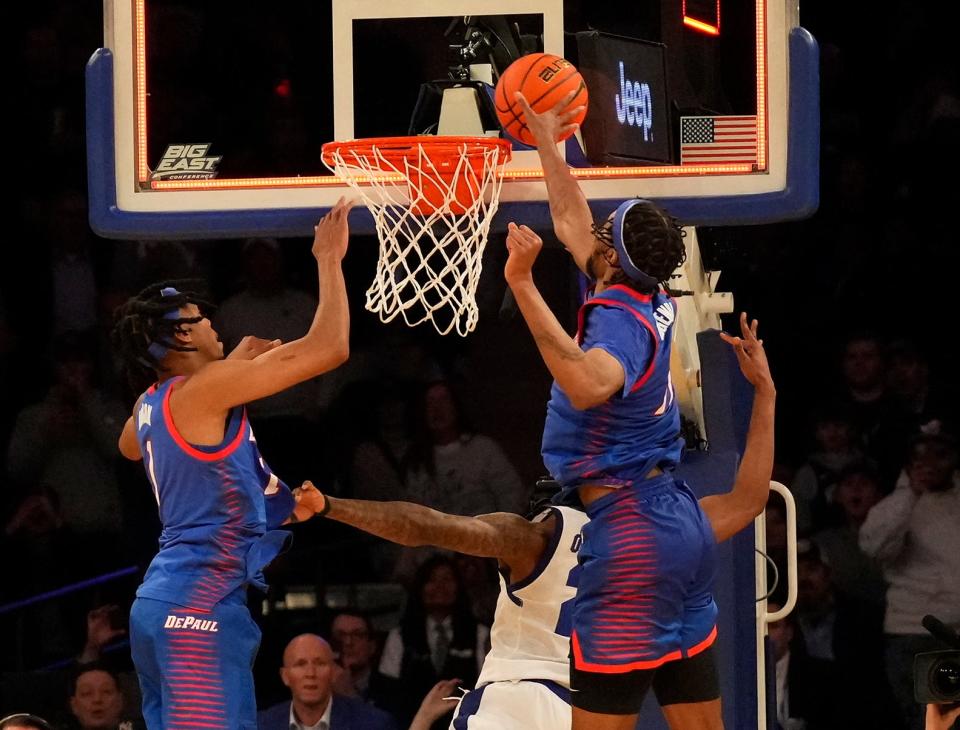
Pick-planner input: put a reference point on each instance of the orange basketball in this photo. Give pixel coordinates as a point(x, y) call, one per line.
point(544, 79)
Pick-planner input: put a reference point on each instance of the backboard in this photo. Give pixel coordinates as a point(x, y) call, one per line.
point(207, 119)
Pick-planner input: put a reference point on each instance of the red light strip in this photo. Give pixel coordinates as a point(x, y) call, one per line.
point(529, 174)
point(762, 84)
point(140, 81)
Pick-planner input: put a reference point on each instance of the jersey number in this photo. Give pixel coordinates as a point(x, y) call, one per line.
point(150, 472)
point(565, 619)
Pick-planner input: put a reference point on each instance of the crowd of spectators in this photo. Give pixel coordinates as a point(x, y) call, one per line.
point(867, 423)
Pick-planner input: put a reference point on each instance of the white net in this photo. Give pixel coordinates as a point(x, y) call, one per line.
point(432, 201)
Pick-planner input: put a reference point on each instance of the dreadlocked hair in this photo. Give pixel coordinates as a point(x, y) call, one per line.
point(654, 240)
point(140, 323)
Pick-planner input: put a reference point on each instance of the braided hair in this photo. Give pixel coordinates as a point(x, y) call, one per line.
point(654, 240)
point(145, 327)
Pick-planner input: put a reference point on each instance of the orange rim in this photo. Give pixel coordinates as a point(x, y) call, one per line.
point(438, 149)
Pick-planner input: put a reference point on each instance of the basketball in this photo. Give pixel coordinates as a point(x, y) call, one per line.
point(544, 80)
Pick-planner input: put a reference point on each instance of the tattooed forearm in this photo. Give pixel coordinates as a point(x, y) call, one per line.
point(400, 522)
point(491, 536)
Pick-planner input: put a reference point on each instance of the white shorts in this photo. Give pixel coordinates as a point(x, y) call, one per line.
point(519, 705)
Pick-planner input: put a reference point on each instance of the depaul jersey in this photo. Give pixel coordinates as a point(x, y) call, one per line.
point(530, 636)
point(217, 505)
point(621, 440)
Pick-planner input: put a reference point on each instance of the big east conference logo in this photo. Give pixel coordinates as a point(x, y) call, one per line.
point(635, 105)
point(186, 162)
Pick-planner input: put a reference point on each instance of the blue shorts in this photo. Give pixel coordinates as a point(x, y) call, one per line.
point(645, 594)
point(195, 668)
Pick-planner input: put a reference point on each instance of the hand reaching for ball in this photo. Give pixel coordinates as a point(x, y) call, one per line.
point(555, 124)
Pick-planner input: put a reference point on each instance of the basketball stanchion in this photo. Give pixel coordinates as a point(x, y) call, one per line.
point(432, 200)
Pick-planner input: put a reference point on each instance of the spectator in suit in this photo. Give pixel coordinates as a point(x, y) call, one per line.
point(847, 632)
point(308, 668)
point(804, 684)
point(438, 637)
point(355, 641)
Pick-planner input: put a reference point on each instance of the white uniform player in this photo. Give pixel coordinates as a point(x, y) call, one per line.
point(525, 682)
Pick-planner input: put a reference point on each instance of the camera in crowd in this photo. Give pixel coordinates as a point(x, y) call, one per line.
point(936, 674)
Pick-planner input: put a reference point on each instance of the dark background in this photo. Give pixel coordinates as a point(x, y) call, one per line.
point(879, 255)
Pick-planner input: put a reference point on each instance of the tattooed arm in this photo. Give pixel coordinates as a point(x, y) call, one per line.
point(516, 542)
point(587, 378)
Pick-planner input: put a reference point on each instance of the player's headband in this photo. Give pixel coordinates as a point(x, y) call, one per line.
point(632, 271)
point(159, 350)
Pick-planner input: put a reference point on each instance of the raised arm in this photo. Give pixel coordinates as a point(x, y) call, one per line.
point(508, 537)
point(325, 346)
point(572, 219)
point(587, 378)
point(731, 512)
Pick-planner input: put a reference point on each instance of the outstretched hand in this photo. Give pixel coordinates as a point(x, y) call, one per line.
point(438, 702)
point(524, 246)
point(331, 234)
point(551, 126)
point(751, 356)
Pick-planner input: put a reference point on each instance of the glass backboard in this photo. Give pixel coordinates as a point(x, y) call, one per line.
point(207, 119)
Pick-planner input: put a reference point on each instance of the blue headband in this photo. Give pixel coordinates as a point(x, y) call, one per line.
point(159, 350)
point(632, 271)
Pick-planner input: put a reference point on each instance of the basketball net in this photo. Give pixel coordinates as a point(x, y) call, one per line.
point(432, 200)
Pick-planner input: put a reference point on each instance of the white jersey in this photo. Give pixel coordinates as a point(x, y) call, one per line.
point(530, 636)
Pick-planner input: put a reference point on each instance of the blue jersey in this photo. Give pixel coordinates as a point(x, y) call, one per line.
point(218, 507)
point(621, 440)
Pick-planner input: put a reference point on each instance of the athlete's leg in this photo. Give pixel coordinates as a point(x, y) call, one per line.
point(204, 664)
point(607, 700)
point(640, 551)
point(689, 693)
point(142, 651)
point(584, 720)
point(688, 689)
point(694, 716)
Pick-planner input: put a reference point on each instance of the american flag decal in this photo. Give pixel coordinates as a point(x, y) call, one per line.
point(718, 140)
